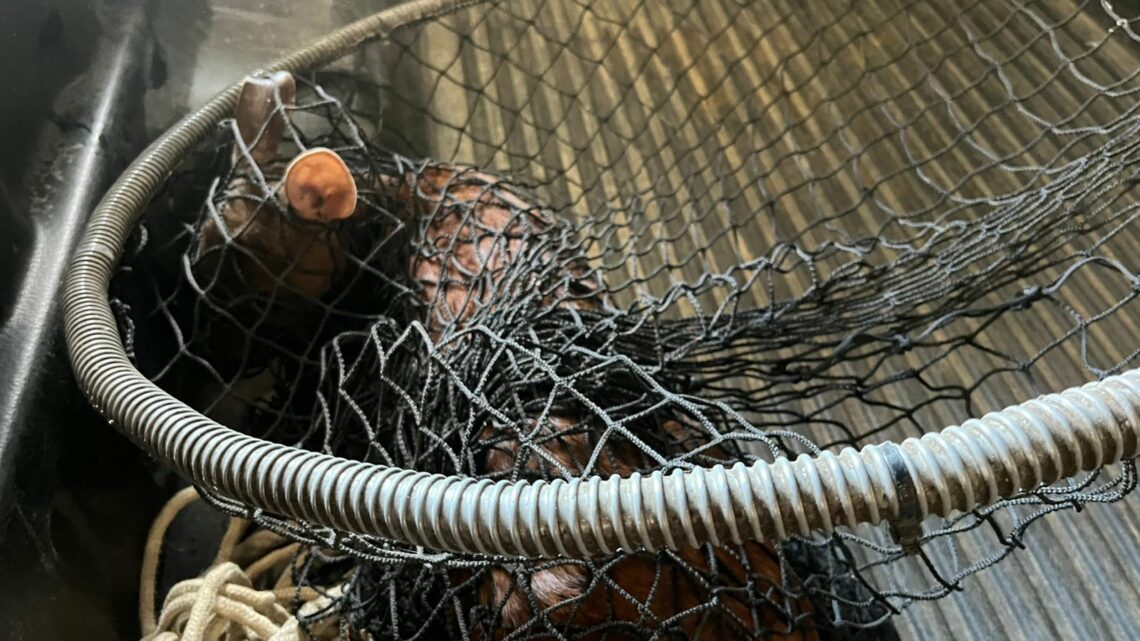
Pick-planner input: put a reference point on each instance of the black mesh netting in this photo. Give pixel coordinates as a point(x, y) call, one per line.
point(698, 233)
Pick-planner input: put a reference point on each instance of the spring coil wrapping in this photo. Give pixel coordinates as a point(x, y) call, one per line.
point(960, 468)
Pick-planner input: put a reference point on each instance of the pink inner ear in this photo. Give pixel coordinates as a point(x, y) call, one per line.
point(319, 186)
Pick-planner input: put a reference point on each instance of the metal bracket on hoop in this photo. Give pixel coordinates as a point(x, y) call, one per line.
point(906, 529)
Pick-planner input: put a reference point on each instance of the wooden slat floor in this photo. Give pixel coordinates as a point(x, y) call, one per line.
point(640, 110)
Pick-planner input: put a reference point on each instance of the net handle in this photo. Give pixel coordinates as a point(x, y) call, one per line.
point(958, 469)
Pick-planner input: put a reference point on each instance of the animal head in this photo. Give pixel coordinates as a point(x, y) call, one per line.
point(317, 184)
point(274, 254)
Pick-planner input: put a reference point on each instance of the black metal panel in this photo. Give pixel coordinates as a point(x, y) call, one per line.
point(75, 498)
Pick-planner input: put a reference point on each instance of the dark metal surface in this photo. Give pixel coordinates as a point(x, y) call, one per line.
point(84, 85)
point(74, 499)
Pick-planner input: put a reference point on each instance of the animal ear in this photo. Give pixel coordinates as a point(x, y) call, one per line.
point(259, 123)
point(319, 186)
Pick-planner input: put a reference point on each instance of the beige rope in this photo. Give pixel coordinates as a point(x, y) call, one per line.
point(153, 552)
point(222, 604)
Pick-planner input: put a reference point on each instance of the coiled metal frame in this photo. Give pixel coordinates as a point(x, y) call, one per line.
point(957, 469)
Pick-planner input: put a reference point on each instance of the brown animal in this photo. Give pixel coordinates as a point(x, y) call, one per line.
point(474, 228)
point(478, 225)
point(297, 254)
